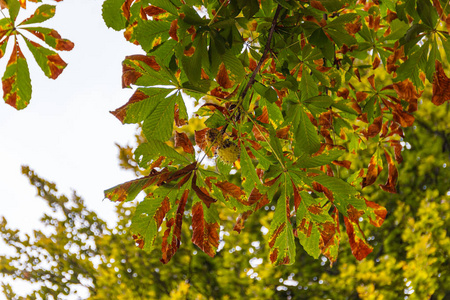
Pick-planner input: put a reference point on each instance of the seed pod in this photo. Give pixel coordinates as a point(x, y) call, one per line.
point(213, 137)
point(228, 152)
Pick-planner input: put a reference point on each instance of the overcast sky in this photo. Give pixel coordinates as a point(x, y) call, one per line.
point(67, 134)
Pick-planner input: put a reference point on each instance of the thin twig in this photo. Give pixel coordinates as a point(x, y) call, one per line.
point(263, 57)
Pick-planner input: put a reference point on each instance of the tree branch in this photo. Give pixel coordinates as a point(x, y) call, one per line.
point(263, 57)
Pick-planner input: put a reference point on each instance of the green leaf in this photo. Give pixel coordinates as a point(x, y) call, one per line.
point(398, 30)
point(151, 33)
point(192, 65)
point(305, 161)
point(322, 101)
point(42, 13)
point(427, 13)
point(167, 5)
point(14, 7)
point(141, 104)
point(49, 61)
point(305, 135)
point(16, 80)
point(153, 150)
point(249, 177)
point(308, 86)
point(159, 124)
point(113, 15)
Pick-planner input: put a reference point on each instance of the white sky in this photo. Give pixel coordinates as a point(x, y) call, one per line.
point(67, 134)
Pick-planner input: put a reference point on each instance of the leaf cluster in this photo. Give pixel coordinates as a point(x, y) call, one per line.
point(296, 85)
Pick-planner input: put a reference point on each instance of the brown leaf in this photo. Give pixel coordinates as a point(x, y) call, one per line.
point(259, 131)
point(283, 133)
point(168, 248)
point(391, 182)
point(222, 77)
point(397, 150)
point(406, 91)
point(3, 4)
point(317, 5)
point(360, 248)
point(173, 30)
point(177, 174)
point(190, 51)
point(153, 10)
point(405, 119)
point(231, 189)
point(439, 10)
point(361, 96)
point(264, 117)
point(343, 163)
point(374, 129)
point(201, 192)
point(182, 140)
point(126, 8)
point(200, 139)
point(205, 235)
point(376, 63)
point(441, 84)
point(179, 122)
point(239, 225)
point(373, 171)
point(330, 237)
point(379, 211)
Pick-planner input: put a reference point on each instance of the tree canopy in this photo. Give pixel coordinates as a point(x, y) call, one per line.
point(287, 121)
point(286, 89)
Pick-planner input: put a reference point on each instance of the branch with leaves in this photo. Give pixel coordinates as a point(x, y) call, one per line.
point(291, 93)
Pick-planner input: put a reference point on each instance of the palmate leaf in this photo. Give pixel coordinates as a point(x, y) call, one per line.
point(16, 80)
point(49, 61)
